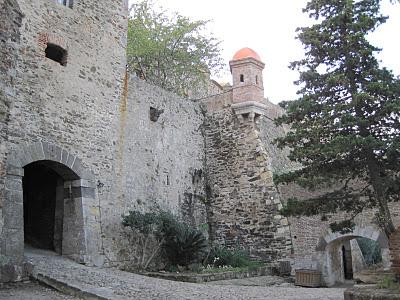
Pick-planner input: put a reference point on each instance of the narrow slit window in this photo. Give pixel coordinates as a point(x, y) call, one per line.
point(256, 79)
point(56, 53)
point(241, 78)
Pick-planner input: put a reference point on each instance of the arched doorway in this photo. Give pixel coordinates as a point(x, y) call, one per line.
point(62, 209)
point(43, 192)
point(341, 255)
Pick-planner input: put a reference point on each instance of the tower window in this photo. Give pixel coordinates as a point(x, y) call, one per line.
point(67, 3)
point(241, 78)
point(256, 79)
point(56, 53)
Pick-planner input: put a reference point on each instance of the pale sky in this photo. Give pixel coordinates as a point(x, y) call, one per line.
point(268, 27)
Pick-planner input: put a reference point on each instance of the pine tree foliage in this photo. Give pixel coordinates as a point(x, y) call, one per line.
point(170, 50)
point(346, 123)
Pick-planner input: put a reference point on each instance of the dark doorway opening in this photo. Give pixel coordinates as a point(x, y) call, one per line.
point(347, 263)
point(43, 206)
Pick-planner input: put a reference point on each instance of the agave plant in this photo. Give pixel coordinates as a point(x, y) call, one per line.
point(186, 246)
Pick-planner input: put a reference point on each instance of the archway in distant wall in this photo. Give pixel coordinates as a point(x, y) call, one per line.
point(340, 255)
point(50, 203)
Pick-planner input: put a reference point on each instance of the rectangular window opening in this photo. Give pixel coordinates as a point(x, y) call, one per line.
point(241, 78)
point(56, 53)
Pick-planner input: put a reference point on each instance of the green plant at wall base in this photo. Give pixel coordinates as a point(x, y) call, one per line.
point(147, 230)
point(388, 282)
point(185, 246)
point(222, 257)
point(180, 243)
point(204, 227)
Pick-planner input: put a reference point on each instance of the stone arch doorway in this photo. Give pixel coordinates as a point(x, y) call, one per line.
point(339, 254)
point(43, 202)
point(75, 196)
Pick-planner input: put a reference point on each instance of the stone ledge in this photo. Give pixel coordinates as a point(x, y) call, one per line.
point(11, 272)
point(200, 278)
point(83, 291)
point(370, 292)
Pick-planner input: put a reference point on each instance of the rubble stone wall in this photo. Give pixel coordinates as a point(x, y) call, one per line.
point(243, 199)
point(162, 164)
point(133, 146)
point(10, 22)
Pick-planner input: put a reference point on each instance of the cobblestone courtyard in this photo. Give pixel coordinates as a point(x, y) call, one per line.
point(115, 284)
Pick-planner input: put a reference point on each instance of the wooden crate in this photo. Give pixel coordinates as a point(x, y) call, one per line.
point(308, 278)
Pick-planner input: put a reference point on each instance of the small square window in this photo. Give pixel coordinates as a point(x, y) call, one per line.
point(56, 53)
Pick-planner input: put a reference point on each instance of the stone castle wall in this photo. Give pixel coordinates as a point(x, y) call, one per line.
point(10, 22)
point(64, 109)
point(137, 147)
point(243, 199)
point(89, 116)
point(162, 164)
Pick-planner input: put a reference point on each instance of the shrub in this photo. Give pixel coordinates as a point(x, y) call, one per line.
point(388, 282)
point(220, 256)
point(148, 236)
point(181, 244)
point(185, 246)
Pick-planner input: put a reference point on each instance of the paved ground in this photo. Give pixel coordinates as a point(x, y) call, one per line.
point(264, 281)
point(117, 285)
point(31, 291)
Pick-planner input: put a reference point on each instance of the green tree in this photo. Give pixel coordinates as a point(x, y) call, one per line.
point(346, 122)
point(170, 51)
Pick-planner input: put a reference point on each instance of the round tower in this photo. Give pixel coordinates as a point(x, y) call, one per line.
point(246, 68)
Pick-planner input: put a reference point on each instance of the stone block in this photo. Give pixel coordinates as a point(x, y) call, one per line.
point(13, 183)
point(64, 157)
point(88, 192)
point(15, 170)
point(36, 151)
point(52, 152)
point(9, 273)
point(78, 167)
point(70, 161)
point(84, 183)
point(24, 149)
point(14, 215)
point(14, 244)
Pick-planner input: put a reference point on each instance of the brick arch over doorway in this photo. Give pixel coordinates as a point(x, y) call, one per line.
point(330, 244)
point(81, 228)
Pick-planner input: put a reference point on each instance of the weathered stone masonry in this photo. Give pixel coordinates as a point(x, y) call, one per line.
point(115, 143)
point(63, 115)
point(162, 163)
point(244, 202)
point(95, 127)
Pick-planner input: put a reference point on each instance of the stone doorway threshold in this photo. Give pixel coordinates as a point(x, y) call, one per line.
point(85, 282)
